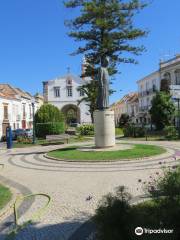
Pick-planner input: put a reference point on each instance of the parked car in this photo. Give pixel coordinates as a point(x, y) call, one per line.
point(14, 134)
point(29, 133)
point(20, 132)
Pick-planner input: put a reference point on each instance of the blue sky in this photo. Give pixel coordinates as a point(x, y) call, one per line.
point(34, 45)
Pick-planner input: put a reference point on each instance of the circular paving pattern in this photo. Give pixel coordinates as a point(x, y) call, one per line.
point(71, 183)
point(39, 162)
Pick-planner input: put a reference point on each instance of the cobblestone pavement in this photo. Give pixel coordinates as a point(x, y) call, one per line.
point(70, 184)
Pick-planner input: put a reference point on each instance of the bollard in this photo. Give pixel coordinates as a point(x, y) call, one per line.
point(9, 139)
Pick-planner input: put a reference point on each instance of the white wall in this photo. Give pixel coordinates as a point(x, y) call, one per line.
point(146, 85)
point(64, 100)
point(15, 112)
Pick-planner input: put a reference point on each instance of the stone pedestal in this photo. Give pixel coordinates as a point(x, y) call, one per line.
point(104, 128)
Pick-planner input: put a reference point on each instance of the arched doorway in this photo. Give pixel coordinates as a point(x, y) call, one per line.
point(71, 113)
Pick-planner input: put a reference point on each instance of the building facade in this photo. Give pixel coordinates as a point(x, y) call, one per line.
point(63, 93)
point(147, 87)
point(127, 105)
point(15, 108)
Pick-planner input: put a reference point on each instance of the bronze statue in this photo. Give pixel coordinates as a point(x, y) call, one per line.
point(103, 85)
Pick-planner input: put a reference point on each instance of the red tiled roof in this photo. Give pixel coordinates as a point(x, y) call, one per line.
point(130, 97)
point(9, 92)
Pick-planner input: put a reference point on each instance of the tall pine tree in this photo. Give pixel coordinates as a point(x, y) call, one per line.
point(105, 28)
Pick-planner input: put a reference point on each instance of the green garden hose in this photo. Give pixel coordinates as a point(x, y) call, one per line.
point(38, 213)
point(34, 217)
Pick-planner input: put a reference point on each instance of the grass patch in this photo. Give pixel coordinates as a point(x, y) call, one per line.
point(138, 151)
point(5, 196)
point(119, 131)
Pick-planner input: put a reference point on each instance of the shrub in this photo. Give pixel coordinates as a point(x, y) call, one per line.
point(170, 132)
point(112, 216)
point(86, 129)
point(48, 113)
point(124, 119)
point(119, 131)
point(129, 131)
point(43, 129)
point(169, 184)
point(49, 120)
point(116, 219)
point(133, 131)
point(168, 199)
point(162, 110)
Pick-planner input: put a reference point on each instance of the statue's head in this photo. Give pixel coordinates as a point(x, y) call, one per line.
point(105, 62)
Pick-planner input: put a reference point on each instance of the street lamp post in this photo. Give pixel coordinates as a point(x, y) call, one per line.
point(175, 92)
point(33, 110)
point(178, 100)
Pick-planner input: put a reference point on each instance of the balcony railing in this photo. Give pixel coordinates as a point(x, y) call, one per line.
point(148, 92)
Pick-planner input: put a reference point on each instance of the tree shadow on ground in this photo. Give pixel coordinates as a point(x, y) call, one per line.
point(70, 230)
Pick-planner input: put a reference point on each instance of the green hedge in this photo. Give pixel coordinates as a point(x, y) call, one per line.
point(48, 113)
point(134, 131)
point(43, 129)
point(87, 129)
point(171, 132)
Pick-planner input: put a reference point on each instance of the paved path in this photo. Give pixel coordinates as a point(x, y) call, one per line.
point(69, 185)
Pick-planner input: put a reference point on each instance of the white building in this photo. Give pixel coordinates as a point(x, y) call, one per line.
point(147, 87)
point(15, 108)
point(127, 105)
point(63, 93)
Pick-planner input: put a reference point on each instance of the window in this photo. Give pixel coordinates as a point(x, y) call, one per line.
point(154, 85)
point(69, 81)
point(177, 77)
point(69, 91)
point(57, 91)
point(81, 92)
point(6, 112)
point(167, 76)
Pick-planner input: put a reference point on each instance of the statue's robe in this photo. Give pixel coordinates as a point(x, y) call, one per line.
point(103, 89)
